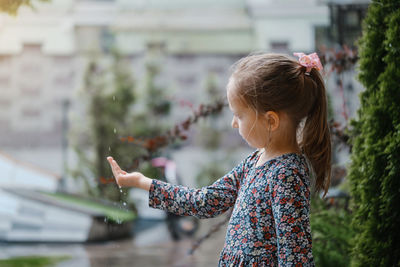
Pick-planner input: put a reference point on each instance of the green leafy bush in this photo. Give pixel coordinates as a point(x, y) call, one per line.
point(331, 233)
point(375, 161)
point(32, 261)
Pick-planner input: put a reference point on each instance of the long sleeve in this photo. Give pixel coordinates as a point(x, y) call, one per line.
point(290, 208)
point(205, 202)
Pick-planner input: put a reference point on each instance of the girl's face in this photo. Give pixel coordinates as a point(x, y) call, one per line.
point(252, 128)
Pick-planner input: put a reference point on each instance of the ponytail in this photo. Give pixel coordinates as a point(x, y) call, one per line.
point(316, 141)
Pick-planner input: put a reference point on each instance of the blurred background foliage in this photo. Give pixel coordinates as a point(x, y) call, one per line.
point(331, 232)
point(111, 98)
point(11, 6)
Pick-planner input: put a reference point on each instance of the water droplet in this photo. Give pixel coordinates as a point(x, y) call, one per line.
point(113, 97)
point(124, 203)
point(109, 148)
point(115, 130)
point(120, 190)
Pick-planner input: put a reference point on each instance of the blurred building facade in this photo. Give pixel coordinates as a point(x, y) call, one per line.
point(43, 53)
point(346, 20)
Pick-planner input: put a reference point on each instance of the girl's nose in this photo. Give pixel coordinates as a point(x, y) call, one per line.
point(234, 123)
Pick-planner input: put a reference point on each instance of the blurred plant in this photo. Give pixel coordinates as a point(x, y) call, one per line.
point(339, 133)
point(210, 133)
point(109, 94)
point(11, 6)
point(157, 103)
point(113, 112)
point(209, 137)
point(177, 132)
point(375, 161)
point(338, 62)
point(209, 172)
point(331, 233)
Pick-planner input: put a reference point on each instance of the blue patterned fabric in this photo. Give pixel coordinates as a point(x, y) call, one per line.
point(269, 225)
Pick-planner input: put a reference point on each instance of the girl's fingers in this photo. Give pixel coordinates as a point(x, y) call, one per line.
point(113, 168)
point(118, 173)
point(116, 166)
point(110, 161)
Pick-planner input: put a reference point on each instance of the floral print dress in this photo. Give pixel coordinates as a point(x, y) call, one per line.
point(269, 225)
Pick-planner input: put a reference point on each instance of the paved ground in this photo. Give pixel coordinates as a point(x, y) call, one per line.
point(149, 247)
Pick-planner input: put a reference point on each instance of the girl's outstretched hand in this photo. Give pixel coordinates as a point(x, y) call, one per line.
point(133, 179)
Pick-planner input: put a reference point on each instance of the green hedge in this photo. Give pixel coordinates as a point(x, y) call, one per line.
point(374, 173)
point(32, 261)
point(331, 233)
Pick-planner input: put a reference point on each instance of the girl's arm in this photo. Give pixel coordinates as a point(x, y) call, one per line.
point(206, 202)
point(290, 208)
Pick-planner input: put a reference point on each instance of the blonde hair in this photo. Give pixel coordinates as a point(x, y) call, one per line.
point(275, 82)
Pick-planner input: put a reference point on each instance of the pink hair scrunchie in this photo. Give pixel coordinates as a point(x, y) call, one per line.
point(309, 61)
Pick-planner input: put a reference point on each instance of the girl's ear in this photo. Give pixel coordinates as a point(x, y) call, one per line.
point(272, 119)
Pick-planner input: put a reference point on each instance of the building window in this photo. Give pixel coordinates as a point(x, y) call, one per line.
point(185, 58)
point(64, 80)
point(279, 46)
point(35, 49)
point(29, 68)
point(4, 128)
point(107, 40)
point(4, 81)
point(31, 112)
point(187, 80)
point(220, 70)
point(29, 90)
point(5, 103)
point(62, 61)
point(5, 62)
point(352, 19)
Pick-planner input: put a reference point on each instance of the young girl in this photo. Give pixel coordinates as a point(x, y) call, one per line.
point(269, 95)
